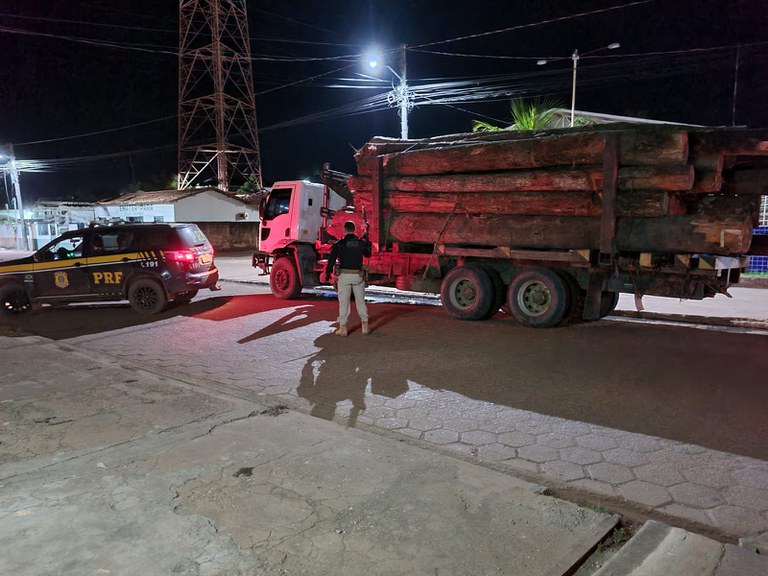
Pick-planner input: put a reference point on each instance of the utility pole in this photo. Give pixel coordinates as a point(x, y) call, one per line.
point(575, 58)
point(22, 241)
point(404, 103)
point(218, 137)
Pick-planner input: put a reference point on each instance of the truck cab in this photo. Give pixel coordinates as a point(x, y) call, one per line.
point(292, 215)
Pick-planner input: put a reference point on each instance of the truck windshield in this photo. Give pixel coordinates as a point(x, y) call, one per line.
point(279, 203)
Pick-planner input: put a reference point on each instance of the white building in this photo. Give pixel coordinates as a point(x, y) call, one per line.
point(192, 205)
point(228, 221)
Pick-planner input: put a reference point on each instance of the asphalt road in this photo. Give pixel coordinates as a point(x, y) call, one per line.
point(704, 387)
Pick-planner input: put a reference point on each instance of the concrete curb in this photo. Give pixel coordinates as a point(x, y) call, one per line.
point(661, 550)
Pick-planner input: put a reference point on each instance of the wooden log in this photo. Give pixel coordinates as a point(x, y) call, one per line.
point(706, 182)
point(677, 178)
point(641, 145)
point(555, 179)
point(590, 178)
point(678, 234)
point(707, 162)
point(729, 141)
point(567, 149)
point(649, 204)
point(676, 205)
point(715, 205)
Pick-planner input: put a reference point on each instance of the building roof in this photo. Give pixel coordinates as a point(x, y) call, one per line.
point(162, 196)
point(599, 118)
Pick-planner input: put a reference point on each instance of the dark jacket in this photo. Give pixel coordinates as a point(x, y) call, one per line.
point(349, 251)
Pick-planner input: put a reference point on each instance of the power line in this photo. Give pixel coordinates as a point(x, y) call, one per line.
point(86, 23)
point(97, 132)
point(534, 24)
point(595, 56)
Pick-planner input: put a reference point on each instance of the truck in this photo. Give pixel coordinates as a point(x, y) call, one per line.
point(550, 225)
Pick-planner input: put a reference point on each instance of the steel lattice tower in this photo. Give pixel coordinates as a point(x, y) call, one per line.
point(217, 107)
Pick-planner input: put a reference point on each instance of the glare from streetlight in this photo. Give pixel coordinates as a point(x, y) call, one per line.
point(373, 58)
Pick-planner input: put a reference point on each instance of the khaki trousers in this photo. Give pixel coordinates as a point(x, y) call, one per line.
point(348, 283)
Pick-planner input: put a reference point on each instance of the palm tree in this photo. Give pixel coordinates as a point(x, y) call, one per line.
point(537, 114)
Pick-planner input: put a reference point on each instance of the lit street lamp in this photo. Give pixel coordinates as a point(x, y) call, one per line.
point(400, 94)
point(575, 57)
point(8, 162)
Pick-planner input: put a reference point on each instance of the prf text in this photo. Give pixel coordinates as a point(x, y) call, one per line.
point(107, 277)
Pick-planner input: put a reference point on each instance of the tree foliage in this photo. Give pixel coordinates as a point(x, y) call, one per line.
point(536, 114)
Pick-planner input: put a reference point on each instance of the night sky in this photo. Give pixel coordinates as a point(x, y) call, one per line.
point(90, 87)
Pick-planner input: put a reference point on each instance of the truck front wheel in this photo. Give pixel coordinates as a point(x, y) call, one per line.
point(467, 293)
point(284, 279)
point(538, 298)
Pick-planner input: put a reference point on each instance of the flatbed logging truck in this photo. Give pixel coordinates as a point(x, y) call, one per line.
point(552, 224)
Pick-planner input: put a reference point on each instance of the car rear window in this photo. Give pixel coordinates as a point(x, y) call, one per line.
point(156, 239)
point(192, 236)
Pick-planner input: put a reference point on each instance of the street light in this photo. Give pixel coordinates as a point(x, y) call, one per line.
point(575, 57)
point(400, 94)
point(8, 162)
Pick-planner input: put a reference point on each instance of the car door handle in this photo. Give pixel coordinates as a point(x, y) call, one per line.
point(124, 259)
point(77, 264)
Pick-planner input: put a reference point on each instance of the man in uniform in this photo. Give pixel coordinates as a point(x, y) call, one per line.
point(350, 251)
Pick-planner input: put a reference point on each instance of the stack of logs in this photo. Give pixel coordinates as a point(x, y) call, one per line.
point(679, 189)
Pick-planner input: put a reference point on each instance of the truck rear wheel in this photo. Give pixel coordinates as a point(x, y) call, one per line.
point(284, 279)
point(467, 293)
point(499, 292)
point(608, 303)
point(576, 309)
point(539, 298)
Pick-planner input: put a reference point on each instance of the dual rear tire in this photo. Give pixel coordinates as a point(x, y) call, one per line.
point(536, 297)
point(467, 293)
point(539, 298)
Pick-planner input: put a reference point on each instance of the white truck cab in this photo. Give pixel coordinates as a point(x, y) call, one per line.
point(293, 213)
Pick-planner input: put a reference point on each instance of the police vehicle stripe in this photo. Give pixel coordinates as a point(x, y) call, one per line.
point(68, 264)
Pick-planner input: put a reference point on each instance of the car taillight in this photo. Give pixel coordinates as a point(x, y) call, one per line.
point(181, 256)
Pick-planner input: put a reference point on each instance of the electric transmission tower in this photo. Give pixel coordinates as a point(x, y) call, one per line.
point(218, 139)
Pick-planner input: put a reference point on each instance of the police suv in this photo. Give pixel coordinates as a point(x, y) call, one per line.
point(150, 265)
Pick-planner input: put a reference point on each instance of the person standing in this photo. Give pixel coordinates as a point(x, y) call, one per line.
point(350, 251)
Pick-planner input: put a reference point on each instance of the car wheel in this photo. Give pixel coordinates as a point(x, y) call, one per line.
point(539, 298)
point(147, 296)
point(284, 279)
point(185, 297)
point(14, 299)
point(467, 293)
